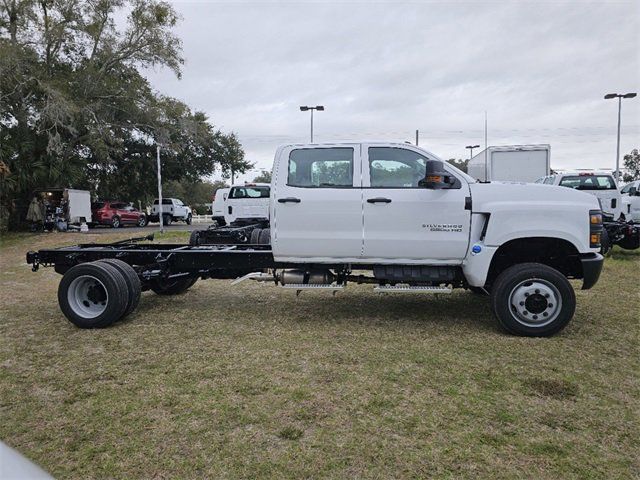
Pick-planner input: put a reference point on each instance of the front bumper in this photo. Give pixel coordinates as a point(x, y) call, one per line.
point(591, 268)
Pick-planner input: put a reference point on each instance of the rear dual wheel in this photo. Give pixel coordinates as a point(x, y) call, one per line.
point(97, 294)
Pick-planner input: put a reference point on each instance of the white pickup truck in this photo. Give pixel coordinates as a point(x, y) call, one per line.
point(392, 215)
point(631, 201)
point(172, 210)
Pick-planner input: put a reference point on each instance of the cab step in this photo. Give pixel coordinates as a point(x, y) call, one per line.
point(410, 289)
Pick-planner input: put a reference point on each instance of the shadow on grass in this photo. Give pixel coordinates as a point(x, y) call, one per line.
point(357, 307)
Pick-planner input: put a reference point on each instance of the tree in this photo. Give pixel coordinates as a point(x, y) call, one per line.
point(264, 177)
point(459, 164)
point(631, 163)
point(76, 111)
point(232, 158)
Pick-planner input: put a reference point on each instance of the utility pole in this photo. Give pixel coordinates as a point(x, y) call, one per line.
point(417, 137)
point(609, 96)
point(160, 209)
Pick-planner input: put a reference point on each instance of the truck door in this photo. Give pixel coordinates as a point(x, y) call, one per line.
point(316, 203)
point(406, 222)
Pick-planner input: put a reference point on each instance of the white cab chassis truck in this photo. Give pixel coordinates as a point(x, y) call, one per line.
point(391, 215)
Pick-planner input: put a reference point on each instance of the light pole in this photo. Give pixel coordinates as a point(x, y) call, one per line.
point(471, 147)
point(160, 212)
point(304, 108)
point(619, 96)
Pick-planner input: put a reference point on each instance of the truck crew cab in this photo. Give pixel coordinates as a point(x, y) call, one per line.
point(392, 215)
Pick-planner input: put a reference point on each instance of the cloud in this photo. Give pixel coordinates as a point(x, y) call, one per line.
point(385, 69)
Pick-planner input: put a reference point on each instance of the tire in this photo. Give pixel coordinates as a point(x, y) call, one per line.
point(265, 236)
point(130, 276)
point(605, 243)
point(93, 295)
point(189, 219)
point(173, 287)
point(166, 220)
point(194, 238)
point(255, 236)
point(115, 222)
point(142, 221)
point(532, 300)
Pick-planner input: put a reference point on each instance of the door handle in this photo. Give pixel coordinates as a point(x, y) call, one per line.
point(379, 200)
point(289, 200)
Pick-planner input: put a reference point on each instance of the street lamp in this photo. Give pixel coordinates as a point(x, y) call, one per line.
point(619, 96)
point(304, 108)
point(471, 147)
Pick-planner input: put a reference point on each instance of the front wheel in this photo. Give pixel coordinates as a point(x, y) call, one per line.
point(115, 221)
point(533, 300)
point(142, 221)
point(166, 220)
point(189, 219)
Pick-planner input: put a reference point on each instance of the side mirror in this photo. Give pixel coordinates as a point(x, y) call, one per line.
point(436, 177)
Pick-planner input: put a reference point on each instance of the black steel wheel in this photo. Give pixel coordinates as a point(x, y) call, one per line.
point(189, 219)
point(533, 300)
point(131, 279)
point(93, 295)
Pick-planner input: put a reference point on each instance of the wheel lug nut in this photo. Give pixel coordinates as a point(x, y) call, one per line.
point(537, 290)
point(546, 295)
point(545, 314)
point(526, 294)
point(535, 317)
point(551, 305)
point(525, 313)
point(522, 304)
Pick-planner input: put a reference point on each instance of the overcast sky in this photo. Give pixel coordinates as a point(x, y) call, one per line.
point(384, 69)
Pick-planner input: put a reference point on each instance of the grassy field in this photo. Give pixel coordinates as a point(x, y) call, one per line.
point(253, 382)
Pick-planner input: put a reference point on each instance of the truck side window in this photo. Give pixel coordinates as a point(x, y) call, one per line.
point(395, 167)
point(321, 167)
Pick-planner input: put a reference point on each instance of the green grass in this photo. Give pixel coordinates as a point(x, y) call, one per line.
point(253, 382)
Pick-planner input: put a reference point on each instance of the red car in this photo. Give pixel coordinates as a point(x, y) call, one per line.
point(116, 214)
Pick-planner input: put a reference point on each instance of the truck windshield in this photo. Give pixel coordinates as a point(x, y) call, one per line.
point(589, 182)
point(249, 192)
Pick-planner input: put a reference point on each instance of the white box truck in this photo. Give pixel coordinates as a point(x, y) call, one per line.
point(511, 163)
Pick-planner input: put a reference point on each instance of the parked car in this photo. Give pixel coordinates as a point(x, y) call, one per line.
point(218, 204)
point(631, 201)
point(116, 214)
point(600, 184)
point(172, 210)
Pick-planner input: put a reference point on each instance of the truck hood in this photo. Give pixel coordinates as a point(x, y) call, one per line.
point(512, 193)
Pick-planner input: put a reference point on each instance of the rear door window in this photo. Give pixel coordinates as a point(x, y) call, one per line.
point(321, 167)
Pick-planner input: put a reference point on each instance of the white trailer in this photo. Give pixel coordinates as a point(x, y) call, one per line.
point(511, 163)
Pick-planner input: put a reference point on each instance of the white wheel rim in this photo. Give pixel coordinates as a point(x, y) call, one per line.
point(87, 296)
point(535, 302)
